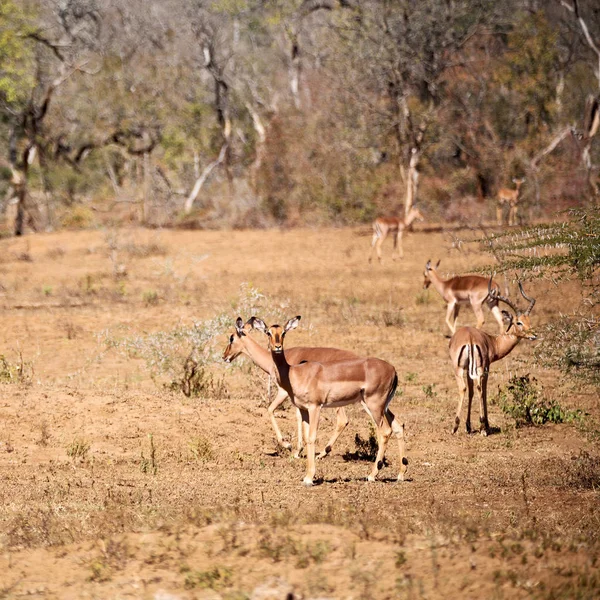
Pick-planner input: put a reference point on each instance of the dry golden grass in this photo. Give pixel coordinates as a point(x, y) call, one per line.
point(113, 485)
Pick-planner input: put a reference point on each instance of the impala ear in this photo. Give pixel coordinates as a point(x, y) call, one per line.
point(508, 319)
point(438, 263)
point(428, 265)
point(257, 323)
point(239, 326)
point(292, 324)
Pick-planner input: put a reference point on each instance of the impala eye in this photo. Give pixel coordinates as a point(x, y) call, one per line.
point(520, 323)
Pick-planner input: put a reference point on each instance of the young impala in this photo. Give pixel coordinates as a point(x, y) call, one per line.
point(312, 386)
point(472, 351)
point(510, 197)
point(241, 343)
point(464, 289)
point(383, 226)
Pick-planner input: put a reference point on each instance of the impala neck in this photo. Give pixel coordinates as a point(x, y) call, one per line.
point(259, 355)
point(409, 218)
point(503, 345)
point(282, 371)
point(437, 282)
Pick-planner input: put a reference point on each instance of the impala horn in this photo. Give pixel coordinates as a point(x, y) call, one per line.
point(530, 300)
point(495, 294)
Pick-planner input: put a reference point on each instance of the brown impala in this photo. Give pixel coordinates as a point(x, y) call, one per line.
point(383, 226)
point(241, 343)
point(510, 197)
point(472, 351)
point(312, 386)
point(464, 289)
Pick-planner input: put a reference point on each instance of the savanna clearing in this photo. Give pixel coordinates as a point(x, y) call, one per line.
point(115, 484)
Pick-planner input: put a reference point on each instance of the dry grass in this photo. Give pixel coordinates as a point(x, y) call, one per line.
point(115, 483)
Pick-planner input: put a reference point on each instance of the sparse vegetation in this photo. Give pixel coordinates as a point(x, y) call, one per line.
point(523, 400)
point(78, 449)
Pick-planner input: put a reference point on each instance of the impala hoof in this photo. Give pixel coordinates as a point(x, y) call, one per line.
point(285, 445)
point(307, 482)
point(371, 478)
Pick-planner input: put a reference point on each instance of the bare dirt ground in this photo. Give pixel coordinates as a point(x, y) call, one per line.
point(112, 485)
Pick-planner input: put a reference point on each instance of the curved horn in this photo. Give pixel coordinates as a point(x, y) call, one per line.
point(495, 294)
point(530, 300)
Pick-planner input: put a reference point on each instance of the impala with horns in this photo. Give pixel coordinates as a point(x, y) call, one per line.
point(241, 343)
point(383, 226)
point(312, 386)
point(464, 289)
point(510, 197)
point(472, 351)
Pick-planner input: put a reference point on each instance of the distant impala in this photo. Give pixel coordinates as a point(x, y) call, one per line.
point(510, 197)
point(464, 289)
point(473, 351)
point(382, 226)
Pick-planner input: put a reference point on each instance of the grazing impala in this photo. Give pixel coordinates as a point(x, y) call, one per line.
point(464, 289)
point(473, 351)
point(241, 343)
point(312, 386)
point(510, 197)
point(383, 226)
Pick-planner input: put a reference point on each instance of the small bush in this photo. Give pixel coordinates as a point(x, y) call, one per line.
point(522, 400)
point(200, 449)
point(150, 298)
point(216, 578)
point(78, 449)
point(584, 471)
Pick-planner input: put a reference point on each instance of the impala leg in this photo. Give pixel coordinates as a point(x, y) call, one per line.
point(452, 316)
point(462, 389)
point(384, 432)
point(373, 242)
point(499, 214)
point(470, 404)
point(300, 433)
point(340, 425)
point(378, 245)
point(512, 214)
point(398, 429)
point(279, 398)
point(498, 316)
point(478, 310)
point(484, 425)
point(312, 414)
point(400, 249)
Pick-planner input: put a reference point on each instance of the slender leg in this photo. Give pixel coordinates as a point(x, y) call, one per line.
point(384, 431)
point(300, 434)
point(452, 316)
point(398, 429)
point(478, 310)
point(499, 214)
point(373, 242)
point(312, 414)
point(378, 246)
point(340, 425)
point(497, 313)
point(512, 214)
point(400, 249)
point(462, 388)
point(484, 427)
point(279, 398)
point(470, 404)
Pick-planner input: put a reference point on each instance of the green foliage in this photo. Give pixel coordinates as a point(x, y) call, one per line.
point(16, 52)
point(216, 578)
point(522, 400)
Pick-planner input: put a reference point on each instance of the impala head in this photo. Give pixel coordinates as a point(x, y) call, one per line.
point(520, 324)
point(415, 214)
point(275, 333)
point(518, 181)
point(235, 346)
point(426, 274)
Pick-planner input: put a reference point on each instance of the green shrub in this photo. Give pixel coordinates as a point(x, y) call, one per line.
point(522, 400)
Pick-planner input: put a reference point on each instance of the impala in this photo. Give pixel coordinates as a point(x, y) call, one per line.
point(312, 386)
point(510, 197)
point(382, 226)
point(464, 289)
point(241, 343)
point(473, 351)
